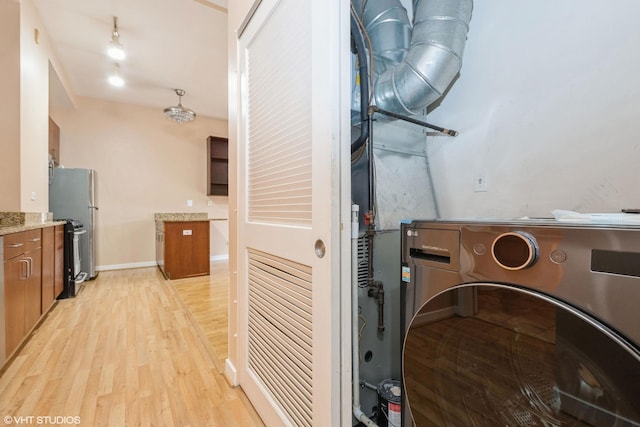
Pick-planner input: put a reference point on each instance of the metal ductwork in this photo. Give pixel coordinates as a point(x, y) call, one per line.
point(410, 77)
point(389, 30)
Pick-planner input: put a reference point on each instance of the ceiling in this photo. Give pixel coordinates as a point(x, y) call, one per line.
point(170, 44)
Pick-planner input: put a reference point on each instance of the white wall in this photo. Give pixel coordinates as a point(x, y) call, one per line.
point(144, 164)
point(548, 103)
point(24, 132)
point(34, 110)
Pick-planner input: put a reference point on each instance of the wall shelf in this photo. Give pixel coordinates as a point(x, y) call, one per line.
point(218, 166)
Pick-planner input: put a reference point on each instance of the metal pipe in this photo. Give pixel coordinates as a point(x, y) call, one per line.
point(365, 384)
point(372, 180)
point(358, 40)
point(377, 292)
point(376, 109)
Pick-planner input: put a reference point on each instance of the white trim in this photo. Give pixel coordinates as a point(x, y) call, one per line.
point(230, 372)
point(125, 266)
point(223, 257)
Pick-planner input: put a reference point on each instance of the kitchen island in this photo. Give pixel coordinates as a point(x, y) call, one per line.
point(182, 244)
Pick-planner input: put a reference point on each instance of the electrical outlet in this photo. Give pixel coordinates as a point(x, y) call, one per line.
point(190, 203)
point(480, 183)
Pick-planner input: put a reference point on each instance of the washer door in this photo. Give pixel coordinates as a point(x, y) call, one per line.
point(519, 359)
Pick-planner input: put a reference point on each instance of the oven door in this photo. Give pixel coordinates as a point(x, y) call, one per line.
point(80, 276)
point(514, 357)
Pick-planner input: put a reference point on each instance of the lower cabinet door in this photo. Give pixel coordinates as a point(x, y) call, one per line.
point(15, 273)
point(186, 249)
point(33, 290)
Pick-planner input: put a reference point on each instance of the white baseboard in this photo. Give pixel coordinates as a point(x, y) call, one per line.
point(223, 257)
point(230, 372)
point(125, 266)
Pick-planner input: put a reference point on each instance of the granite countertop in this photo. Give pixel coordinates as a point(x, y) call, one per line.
point(8, 229)
point(14, 222)
point(181, 216)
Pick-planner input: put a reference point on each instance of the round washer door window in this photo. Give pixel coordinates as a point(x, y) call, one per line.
point(516, 358)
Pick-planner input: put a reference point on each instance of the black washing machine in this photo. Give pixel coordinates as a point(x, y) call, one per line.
point(520, 323)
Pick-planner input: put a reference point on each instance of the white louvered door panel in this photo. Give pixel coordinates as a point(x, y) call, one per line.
point(280, 332)
point(289, 205)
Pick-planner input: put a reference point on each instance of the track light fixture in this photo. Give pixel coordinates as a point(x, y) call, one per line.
point(116, 49)
point(115, 79)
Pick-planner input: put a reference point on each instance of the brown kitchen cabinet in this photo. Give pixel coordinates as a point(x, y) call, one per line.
point(48, 267)
point(22, 285)
point(58, 257)
point(52, 265)
point(182, 248)
point(14, 271)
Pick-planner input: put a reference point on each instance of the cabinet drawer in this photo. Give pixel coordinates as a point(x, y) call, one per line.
point(13, 245)
point(32, 239)
point(18, 243)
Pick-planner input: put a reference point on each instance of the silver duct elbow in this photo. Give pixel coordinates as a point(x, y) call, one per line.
point(389, 30)
point(434, 56)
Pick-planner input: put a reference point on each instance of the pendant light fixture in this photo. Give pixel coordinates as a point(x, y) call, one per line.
point(179, 113)
point(115, 79)
point(116, 49)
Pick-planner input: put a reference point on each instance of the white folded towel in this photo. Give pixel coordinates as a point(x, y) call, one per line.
point(595, 218)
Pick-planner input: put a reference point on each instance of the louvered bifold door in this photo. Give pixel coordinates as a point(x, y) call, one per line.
point(289, 211)
point(280, 332)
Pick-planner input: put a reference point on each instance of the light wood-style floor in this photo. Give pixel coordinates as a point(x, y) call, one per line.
point(206, 298)
point(124, 352)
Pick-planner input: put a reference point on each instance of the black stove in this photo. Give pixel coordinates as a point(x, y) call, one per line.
point(73, 222)
point(72, 229)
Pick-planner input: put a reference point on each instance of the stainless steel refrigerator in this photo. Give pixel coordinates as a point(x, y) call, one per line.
point(72, 196)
